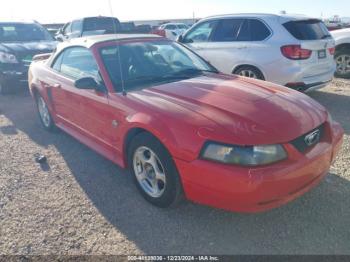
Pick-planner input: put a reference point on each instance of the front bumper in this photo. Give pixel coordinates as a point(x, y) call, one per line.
point(259, 189)
point(14, 73)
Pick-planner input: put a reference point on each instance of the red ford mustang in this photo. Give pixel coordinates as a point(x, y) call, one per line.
point(185, 130)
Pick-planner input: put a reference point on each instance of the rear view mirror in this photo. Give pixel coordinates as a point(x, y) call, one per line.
point(180, 38)
point(88, 83)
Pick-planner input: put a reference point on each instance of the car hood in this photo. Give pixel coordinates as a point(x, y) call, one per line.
point(252, 111)
point(28, 48)
point(341, 33)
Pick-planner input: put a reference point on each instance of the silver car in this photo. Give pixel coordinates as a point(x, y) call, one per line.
point(294, 51)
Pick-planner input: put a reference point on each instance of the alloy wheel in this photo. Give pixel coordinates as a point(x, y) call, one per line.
point(248, 73)
point(149, 172)
point(343, 64)
point(44, 112)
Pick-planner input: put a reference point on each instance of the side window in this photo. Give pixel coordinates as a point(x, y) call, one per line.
point(77, 26)
point(253, 30)
point(201, 33)
point(245, 32)
point(170, 27)
point(259, 30)
point(77, 62)
point(227, 30)
point(57, 63)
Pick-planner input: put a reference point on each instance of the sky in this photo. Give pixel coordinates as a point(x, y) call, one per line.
point(47, 11)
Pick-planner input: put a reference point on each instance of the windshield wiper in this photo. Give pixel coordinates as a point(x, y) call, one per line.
point(191, 71)
point(184, 74)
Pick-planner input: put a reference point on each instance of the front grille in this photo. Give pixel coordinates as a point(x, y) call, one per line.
point(300, 143)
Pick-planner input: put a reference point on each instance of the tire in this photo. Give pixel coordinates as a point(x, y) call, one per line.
point(145, 174)
point(342, 58)
point(44, 114)
point(249, 71)
point(5, 88)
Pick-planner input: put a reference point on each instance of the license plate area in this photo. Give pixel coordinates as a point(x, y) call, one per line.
point(322, 54)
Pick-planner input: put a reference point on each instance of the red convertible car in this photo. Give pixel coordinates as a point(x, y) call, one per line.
point(184, 129)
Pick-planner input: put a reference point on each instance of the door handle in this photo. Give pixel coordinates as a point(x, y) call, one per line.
point(57, 86)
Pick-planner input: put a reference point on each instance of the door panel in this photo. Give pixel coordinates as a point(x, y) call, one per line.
point(222, 50)
point(85, 111)
point(82, 111)
point(224, 55)
point(66, 100)
point(97, 118)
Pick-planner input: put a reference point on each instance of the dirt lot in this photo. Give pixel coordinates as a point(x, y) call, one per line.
point(81, 203)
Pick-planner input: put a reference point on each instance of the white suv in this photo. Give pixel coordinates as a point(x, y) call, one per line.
point(295, 51)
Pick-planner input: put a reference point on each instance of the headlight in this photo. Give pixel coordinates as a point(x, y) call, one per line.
point(7, 58)
point(243, 155)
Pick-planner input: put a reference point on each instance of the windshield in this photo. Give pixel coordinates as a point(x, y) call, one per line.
point(143, 64)
point(15, 32)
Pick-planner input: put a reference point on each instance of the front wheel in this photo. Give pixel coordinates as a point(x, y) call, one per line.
point(154, 171)
point(44, 114)
point(342, 59)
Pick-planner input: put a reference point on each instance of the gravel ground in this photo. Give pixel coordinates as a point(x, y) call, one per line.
point(80, 203)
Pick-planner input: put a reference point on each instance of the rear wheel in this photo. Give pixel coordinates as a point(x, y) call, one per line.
point(249, 71)
point(44, 114)
point(154, 171)
point(342, 58)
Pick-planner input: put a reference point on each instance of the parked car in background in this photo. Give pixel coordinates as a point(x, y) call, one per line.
point(337, 22)
point(293, 51)
point(143, 29)
point(184, 129)
point(342, 52)
point(98, 25)
point(127, 26)
point(131, 28)
point(53, 31)
point(19, 42)
point(172, 30)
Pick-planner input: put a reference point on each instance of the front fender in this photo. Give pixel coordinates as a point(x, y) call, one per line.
point(342, 41)
point(158, 128)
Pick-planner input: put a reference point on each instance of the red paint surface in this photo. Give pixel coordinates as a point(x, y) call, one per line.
point(185, 114)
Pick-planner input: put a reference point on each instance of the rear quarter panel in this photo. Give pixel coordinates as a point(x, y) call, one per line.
point(38, 74)
point(35, 73)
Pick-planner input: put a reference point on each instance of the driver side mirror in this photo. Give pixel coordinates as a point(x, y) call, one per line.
point(180, 39)
point(183, 40)
point(89, 83)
